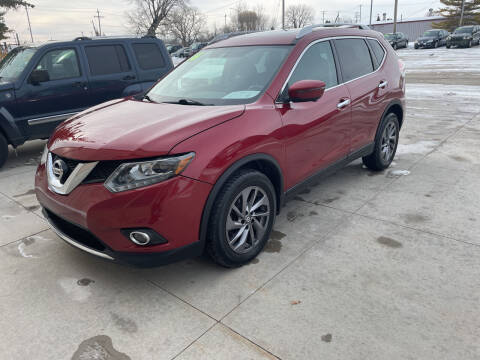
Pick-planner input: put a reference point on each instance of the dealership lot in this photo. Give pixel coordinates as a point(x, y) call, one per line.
point(361, 266)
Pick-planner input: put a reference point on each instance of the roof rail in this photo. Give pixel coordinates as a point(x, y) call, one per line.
point(81, 38)
point(308, 29)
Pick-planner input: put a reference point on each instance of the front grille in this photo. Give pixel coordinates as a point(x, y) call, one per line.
point(101, 172)
point(75, 232)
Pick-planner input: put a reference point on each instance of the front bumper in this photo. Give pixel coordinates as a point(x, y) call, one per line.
point(91, 218)
point(426, 45)
point(459, 42)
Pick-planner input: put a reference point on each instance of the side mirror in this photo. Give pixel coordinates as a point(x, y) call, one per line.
point(306, 90)
point(39, 76)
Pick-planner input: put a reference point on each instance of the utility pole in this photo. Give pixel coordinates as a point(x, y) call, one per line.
point(94, 28)
point(29, 25)
point(371, 8)
point(283, 14)
point(18, 40)
point(360, 14)
point(461, 14)
point(225, 20)
point(395, 17)
point(99, 25)
point(323, 16)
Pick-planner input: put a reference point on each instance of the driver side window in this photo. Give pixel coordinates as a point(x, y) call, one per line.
point(60, 64)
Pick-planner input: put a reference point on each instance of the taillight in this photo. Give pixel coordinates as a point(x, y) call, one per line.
point(401, 65)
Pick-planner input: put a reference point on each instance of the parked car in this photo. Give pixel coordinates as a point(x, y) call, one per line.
point(183, 52)
point(432, 39)
point(43, 85)
point(173, 48)
point(397, 40)
point(209, 156)
point(196, 47)
point(464, 36)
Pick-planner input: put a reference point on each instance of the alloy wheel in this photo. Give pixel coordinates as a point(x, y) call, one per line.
point(247, 219)
point(389, 142)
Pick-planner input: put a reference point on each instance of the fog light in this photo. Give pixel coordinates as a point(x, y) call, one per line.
point(140, 238)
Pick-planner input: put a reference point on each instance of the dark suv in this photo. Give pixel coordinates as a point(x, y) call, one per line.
point(397, 40)
point(464, 36)
point(208, 157)
point(44, 85)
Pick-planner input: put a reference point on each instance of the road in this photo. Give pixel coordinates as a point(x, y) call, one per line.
point(361, 266)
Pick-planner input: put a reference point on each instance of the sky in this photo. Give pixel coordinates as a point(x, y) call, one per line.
point(67, 19)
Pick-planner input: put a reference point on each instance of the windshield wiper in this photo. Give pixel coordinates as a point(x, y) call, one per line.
point(146, 97)
point(190, 102)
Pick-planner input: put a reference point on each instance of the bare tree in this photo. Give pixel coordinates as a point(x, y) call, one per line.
point(149, 14)
point(185, 23)
point(247, 19)
point(298, 16)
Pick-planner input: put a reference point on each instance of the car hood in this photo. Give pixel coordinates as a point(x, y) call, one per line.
point(455, 36)
point(130, 129)
point(426, 38)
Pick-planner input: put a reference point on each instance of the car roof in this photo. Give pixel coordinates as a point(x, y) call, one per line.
point(289, 37)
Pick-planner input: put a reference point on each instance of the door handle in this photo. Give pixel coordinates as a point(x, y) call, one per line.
point(343, 103)
point(129, 77)
point(383, 85)
point(81, 84)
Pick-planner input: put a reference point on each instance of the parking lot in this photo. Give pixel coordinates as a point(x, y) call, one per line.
point(363, 265)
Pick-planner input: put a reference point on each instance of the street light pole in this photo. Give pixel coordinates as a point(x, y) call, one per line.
point(29, 25)
point(395, 17)
point(461, 14)
point(283, 14)
point(371, 8)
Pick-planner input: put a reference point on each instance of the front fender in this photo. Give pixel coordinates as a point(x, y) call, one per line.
point(10, 128)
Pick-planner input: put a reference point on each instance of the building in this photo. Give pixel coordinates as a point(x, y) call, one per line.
point(413, 28)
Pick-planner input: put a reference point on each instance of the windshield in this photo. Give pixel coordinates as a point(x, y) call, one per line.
point(221, 76)
point(431, 33)
point(390, 36)
point(464, 30)
point(15, 62)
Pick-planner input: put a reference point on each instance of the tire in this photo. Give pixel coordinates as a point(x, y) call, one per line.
point(3, 150)
point(387, 135)
point(436, 44)
point(227, 244)
point(416, 47)
point(448, 46)
point(395, 46)
point(469, 45)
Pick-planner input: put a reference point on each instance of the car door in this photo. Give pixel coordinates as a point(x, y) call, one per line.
point(64, 92)
point(110, 71)
point(316, 133)
point(367, 86)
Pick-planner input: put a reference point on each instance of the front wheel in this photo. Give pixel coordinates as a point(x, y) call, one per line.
point(242, 219)
point(3, 150)
point(448, 46)
point(469, 45)
point(386, 143)
point(395, 46)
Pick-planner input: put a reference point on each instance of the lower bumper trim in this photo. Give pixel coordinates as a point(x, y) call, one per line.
point(76, 244)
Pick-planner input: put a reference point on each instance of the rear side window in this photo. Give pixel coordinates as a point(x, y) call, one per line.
point(378, 51)
point(148, 56)
point(316, 64)
point(107, 59)
point(354, 57)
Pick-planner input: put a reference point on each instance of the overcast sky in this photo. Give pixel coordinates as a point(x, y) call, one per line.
point(66, 19)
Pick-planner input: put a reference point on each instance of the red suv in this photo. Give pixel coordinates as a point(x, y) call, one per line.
point(206, 159)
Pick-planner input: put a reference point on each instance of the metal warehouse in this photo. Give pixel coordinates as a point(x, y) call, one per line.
point(412, 28)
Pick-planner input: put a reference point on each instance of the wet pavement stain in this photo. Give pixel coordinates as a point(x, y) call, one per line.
point(273, 246)
point(85, 282)
point(254, 261)
point(389, 242)
point(458, 158)
point(305, 191)
point(291, 216)
point(28, 241)
point(277, 235)
point(415, 218)
point(376, 173)
point(29, 192)
point(330, 200)
point(312, 213)
point(32, 208)
point(124, 324)
point(98, 347)
point(298, 198)
point(428, 195)
point(327, 338)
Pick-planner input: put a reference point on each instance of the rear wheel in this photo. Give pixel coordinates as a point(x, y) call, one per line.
point(242, 219)
point(448, 46)
point(3, 150)
point(385, 144)
point(469, 45)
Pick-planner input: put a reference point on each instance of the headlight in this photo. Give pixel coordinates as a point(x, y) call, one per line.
point(466, 37)
point(134, 175)
point(43, 159)
point(429, 41)
point(449, 38)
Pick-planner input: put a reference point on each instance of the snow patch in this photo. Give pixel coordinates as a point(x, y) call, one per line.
point(398, 173)
point(421, 147)
point(21, 250)
point(8, 217)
